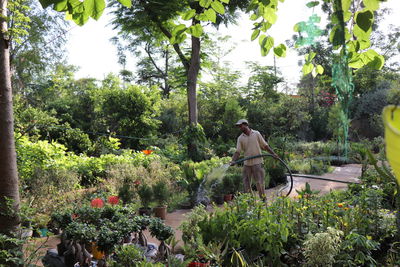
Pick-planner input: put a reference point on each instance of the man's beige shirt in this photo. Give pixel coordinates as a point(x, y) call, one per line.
point(251, 145)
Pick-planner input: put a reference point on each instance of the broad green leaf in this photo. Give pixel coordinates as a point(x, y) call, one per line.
point(307, 68)
point(225, 1)
point(80, 18)
point(179, 29)
point(270, 15)
point(347, 35)
point(355, 60)
point(126, 3)
point(265, 25)
point(312, 4)
point(261, 39)
point(94, 8)
point(319, 69)
point(364, 44)
point(218, 7)
point(353, 46)
point(189, 14)
point(346, 4)
point(280, 50)
point(211, 15)
point(347, 15)
point(205, 3)
point(360, 33)
point(375, 60)
point(195, 30)
point(310, 56)
point(255, 34)
point(266, 43)
point(269, 43)
point(371, 4)
point(364, 19)
point(254, 16)
point(47, 3)
point(202, 17)
point(314, 72)
point(61, 6)
point(75, 7)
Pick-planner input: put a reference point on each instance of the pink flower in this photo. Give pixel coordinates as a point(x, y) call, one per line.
point(113, 200)
point(97, 203)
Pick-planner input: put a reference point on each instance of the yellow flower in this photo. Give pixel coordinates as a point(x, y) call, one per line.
point(340, 205)
point(369, 237)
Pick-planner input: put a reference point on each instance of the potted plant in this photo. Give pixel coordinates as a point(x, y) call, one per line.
point(162, 232)
point(228, 187)
point(146, 195)
point(218, 193)
point(161, 195)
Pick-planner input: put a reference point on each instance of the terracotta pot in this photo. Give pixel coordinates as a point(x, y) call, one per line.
point(228, 197)
point(145, 211)
point(160, 212)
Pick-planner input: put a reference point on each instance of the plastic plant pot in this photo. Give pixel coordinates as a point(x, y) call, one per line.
point(391, 120)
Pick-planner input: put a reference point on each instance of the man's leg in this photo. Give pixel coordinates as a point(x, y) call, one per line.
point(259, 176)
point(246, 175)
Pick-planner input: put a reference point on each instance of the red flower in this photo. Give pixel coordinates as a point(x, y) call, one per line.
point(136, 183)
point(97, 203)
point(74, 216)
point(113, 200)
point(147, 151)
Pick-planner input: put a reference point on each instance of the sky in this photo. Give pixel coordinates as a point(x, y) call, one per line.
point(90, 49)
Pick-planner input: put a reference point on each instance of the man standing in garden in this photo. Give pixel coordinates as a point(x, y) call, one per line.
point(251, 142)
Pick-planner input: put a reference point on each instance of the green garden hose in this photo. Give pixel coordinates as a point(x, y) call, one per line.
point(270, 155)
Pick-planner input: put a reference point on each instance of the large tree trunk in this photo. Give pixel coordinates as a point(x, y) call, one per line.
point(9, 194)
point(192, 75)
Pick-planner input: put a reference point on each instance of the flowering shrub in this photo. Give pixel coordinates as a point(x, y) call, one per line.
point(113, 200)
point(97, 203)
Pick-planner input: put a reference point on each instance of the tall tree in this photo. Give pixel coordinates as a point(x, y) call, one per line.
point(156, 19)
point(9, 194)
point(36, 52)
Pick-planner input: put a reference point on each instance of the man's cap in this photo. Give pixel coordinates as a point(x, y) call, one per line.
point(241, 121)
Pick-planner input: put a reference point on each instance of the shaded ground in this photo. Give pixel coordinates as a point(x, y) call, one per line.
point(349, 173)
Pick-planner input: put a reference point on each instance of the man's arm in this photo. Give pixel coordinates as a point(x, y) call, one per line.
point(234, 158)
point(269, 149)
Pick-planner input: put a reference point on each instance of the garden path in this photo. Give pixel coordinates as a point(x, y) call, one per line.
point(348, 173)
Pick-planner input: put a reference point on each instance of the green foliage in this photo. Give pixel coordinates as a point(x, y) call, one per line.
point(357, 250)
point(128, 256)
point(145, 193)
point(159, 230)
point(321, 248)
point(161, 193)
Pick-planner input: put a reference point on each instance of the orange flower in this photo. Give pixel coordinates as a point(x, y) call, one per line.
point(113, 200)
point(97, 203)
point(147, 151)
point(340, 205)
